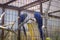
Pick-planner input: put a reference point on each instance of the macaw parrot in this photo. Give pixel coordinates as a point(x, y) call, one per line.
point(39, 20)
point(22, 18)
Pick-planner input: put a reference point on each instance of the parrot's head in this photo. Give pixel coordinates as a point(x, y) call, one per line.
point(24, 15)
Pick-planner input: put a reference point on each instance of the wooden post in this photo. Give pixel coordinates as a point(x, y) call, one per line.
point(19, 38)
point(41, 9)
point(2, 34)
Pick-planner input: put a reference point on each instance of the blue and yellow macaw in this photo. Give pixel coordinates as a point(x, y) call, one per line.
point(39, 20)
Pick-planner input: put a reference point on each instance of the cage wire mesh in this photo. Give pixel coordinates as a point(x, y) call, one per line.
point(11, 16)
point(53, 24)
point(53, 28)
